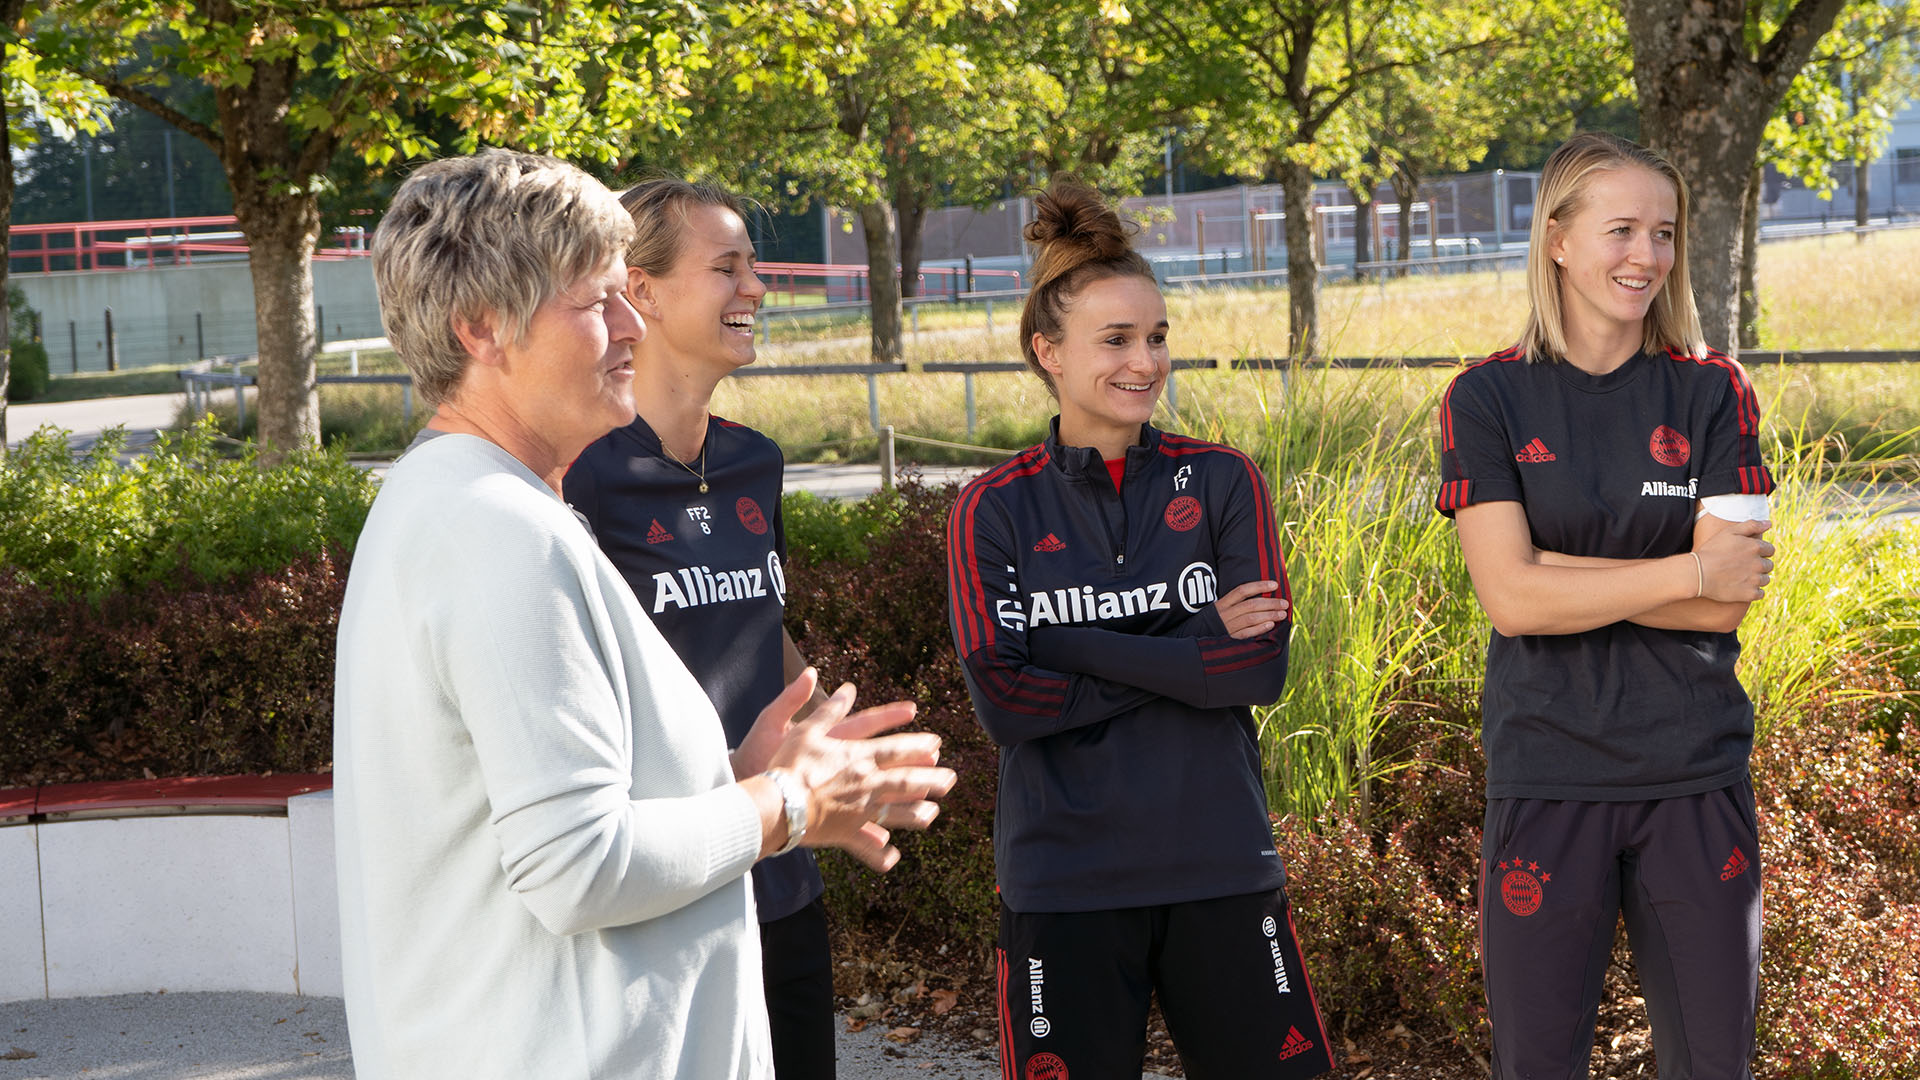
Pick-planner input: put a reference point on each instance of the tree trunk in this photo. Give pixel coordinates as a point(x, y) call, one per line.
point(1750, 261)
point(1704, 100)
point(281, 234)
point(1303, 276)
point(1406, 188)
point(883, 287)
point(1362, 227)
point(281, 222)
point(10, 14)
point(910, 213)
point(1862, 196)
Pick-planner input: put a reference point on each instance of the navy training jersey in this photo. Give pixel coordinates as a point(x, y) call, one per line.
point(1608, 466)
point(1084, 619)
point(707, 569)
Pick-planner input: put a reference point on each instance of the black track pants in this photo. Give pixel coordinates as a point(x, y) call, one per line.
point(1074, 989)
point(798, 973)
point(1685, 872)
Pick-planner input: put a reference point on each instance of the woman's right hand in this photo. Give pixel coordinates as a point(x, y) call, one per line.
point(859, 782)
point(1248, 611)
point(1736, 565)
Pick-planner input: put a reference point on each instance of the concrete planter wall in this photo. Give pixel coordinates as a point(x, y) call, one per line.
point(179, 895)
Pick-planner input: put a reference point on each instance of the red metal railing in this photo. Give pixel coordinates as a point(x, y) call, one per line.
point(136, 244)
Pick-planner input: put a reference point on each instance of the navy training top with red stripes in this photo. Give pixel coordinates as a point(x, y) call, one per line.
point(1085, 621)
point(1607, 466)
point(707, 569)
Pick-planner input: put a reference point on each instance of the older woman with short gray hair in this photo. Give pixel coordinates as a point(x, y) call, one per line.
point(542, 841)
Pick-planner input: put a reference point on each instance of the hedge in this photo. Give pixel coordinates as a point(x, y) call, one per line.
point(866, 603)
point(177, 679)
point(187, 510)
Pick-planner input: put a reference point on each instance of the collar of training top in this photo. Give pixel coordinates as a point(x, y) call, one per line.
point(1080, 460)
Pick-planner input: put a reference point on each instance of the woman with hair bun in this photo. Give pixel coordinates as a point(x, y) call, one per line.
point(1604, 475)
point(1119, 605)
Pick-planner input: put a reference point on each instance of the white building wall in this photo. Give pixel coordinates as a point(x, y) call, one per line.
point(154, 311)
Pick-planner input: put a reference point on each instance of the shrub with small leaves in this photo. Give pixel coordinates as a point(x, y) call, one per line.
point(1840, 845)
point(27, 375)
point(868, 604)
point(92, 524)
point(1387, 909)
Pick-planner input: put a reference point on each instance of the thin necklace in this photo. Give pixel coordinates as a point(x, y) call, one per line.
point(702, 474)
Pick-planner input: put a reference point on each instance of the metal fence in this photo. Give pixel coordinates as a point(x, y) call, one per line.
point(201, 380)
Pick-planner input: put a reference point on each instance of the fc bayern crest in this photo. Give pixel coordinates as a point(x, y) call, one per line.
point(1183, 513)
point(1523, 886)
point(750, 516)
point(1046, 1067)
point(1669, 447)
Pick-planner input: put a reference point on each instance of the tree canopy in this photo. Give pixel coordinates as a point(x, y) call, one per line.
point(889, 108)
point(284, 88)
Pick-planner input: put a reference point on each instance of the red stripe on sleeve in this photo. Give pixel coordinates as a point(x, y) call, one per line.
point(966, 591)
point(1237, 655)
point(1506, 355)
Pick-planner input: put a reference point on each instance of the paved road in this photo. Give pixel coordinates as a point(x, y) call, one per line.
point(143, 417)
point(281, 1037)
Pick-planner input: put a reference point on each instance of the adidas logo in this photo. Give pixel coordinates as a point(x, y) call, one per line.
point(1050, 543)
point(657, 534)
point(1534, 452)
point(1295, 1045)
point(1736, 865)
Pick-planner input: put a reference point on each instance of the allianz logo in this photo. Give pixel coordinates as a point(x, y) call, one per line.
point(698, 586)
point(1687, 490)
point(1195, 588)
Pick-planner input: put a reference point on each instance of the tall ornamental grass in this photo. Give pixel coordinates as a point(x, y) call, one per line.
point(1844, 585)
point(1386, 634)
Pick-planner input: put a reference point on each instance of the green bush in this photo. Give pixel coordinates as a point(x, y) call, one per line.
point(91, 524)
point(824, 530)
point(27, 374)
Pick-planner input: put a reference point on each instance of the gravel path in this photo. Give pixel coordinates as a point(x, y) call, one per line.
point(280, 1037)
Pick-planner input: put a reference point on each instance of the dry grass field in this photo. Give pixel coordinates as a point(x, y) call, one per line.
point(1821, 293)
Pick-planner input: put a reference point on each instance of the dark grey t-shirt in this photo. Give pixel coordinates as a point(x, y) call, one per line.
point(1608, 466)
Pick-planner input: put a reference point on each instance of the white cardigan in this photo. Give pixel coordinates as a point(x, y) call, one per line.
point(541, 851)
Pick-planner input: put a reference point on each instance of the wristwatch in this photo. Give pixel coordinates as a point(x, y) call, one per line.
point(793, 797)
